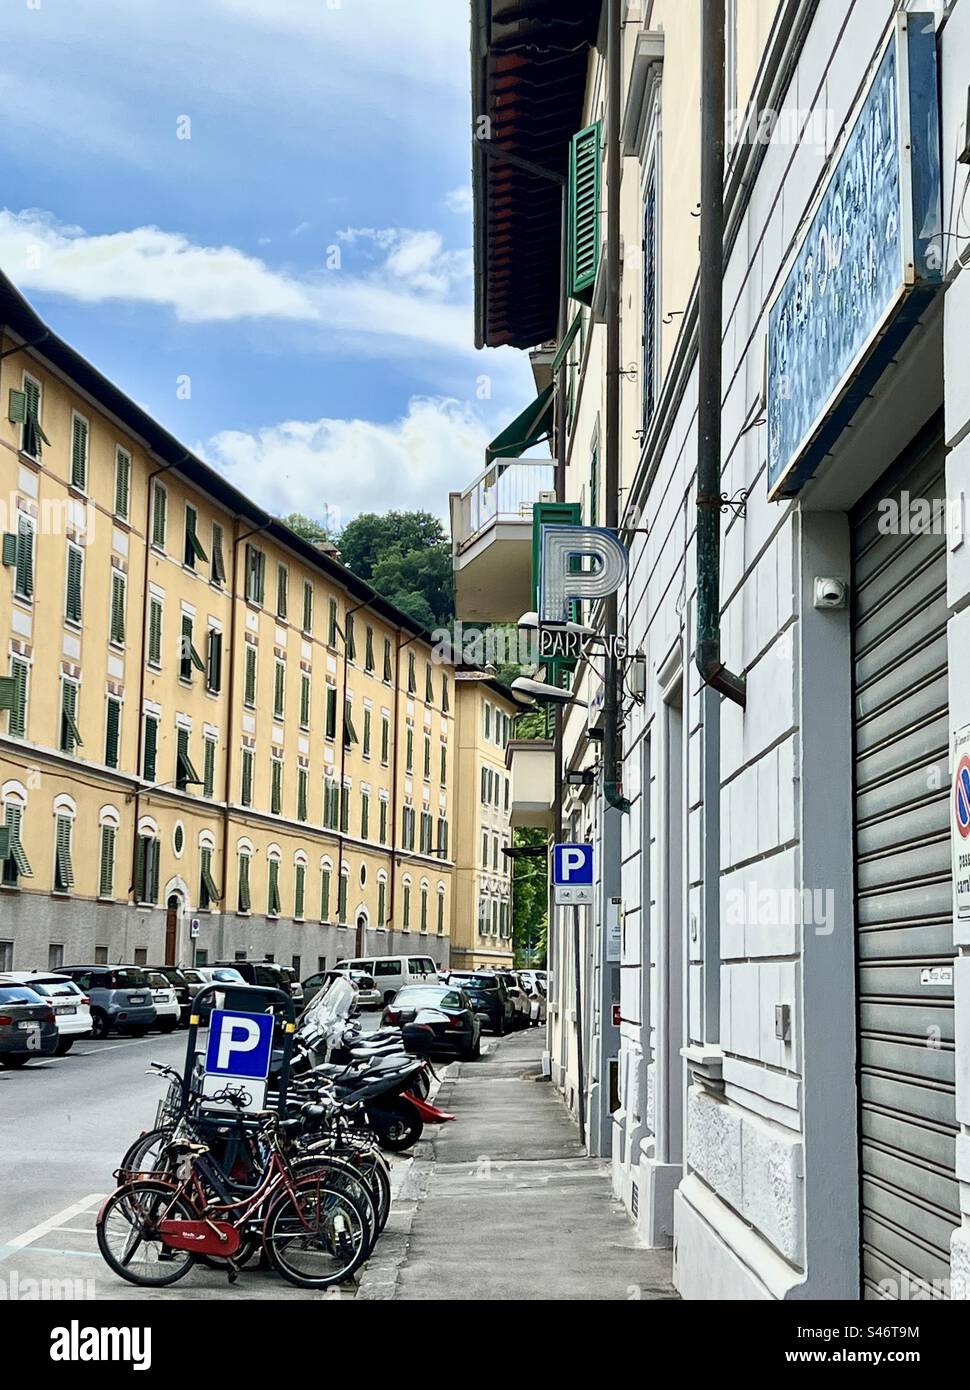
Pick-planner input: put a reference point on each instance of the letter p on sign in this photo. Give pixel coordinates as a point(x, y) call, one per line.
point(236, 1035)
point(572, 874)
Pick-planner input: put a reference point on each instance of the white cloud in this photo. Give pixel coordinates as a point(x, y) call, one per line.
point(328, 466)
point(459, 200)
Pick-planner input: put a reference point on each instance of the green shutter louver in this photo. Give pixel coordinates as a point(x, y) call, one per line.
point(331, 721)
point(304, 701)
point(9, 553)
point(24, 577)
point(246, 794)
point(385, 738)
point(189, 657)
point(155, 632)
point(299, 891)
point(412, 679)
point(17, 725)
point(364, 815)
point(445, 705)
point(381, 903)
point(584, 213)
point(213, 663)
point(122, 483)
point(150, 759)
point(70, 737)
point(276, 787)
point(112, 735)
point(351, 640)
point(282, 592)
point(117, 631)
point(244, 898)
point(32, 436)
point(209, 768)
point(342, 898)
point(273, 893)
point(218, 562)
point(209, 893)
point(428, 685)
point(193, 546)
point(406, 908)
point(249, 693)
point(307, 606)
point(409, 750)
point(159, 516)
point(72, 594)
point(79, 453)
point(331, 622)
point(302, 779)
point(185, 773)
point(15, 849)
point(255, 575)
point(106, 874)
point(350, 733)
point(325, 895)
point(16, 407)
point(388, 672)
point(367, 733)
point(63, 868)
point(344, 809)
point(279, 690)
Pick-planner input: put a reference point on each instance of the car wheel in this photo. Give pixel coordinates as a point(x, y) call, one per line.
point(64, 1046)
point(14, 1060)
point(100, 1027)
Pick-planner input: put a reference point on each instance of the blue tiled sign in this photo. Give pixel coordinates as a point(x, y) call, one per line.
point(867, 262)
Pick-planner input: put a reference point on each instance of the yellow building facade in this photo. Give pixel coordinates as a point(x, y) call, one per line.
point(482, 923)
point(218, 743)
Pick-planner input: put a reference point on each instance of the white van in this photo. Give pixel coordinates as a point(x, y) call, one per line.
point(392, 973)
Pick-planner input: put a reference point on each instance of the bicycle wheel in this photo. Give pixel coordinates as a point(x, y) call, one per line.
point(317, 1237)
point(127, 1238)
point(343, 1177)
point(374, 1168)
point(145, 1152)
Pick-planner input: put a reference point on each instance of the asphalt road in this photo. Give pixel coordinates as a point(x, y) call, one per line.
point(65, 1123)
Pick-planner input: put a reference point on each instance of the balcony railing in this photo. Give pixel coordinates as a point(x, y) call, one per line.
point(505, 492)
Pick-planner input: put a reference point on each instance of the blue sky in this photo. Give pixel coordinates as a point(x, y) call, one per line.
point(303, 258)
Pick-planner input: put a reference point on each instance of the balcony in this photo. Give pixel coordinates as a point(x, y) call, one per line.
point(491, 534)
point(532, 764)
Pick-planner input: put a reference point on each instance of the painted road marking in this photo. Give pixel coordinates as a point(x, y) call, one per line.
point(52, 1223)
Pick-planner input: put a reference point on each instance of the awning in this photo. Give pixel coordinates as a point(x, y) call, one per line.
point(527, 429)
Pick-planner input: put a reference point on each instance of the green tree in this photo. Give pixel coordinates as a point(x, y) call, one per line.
point(530, 902)
point(420, 582)
point(307, 527)
point(366, 541)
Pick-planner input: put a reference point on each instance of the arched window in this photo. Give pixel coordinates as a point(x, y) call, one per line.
point(147, 857)
point(406, 904)
point(16, 864)
point(326, 879)
point(424, 904)
point(299, 885)
point(109, 822)
point(440, 924)
point(382, 899)
point(274, 857)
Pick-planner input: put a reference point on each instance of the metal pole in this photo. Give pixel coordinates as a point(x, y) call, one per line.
point(580, 1069)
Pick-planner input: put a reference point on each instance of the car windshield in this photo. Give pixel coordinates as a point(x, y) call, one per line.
point(158, 981)
point(55, 989)
point(477, 984)
point(415, 996)
point(19, 995)
point(127, 979)
point(193, 977)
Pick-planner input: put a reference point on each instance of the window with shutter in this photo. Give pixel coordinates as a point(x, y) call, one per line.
point(409, 750)
point(150, 759)
point(406, 908)
point(154, 631)
point(304, 700)
point(208, 892)
point(31, 434)
point(213, 663)
point(70, 737)
point(330, 728)
point(79, 452)
point(424, 909)
point(584, 213)
point(299, 889)
point(244, 900)
point(382, 834)
point(218, 569)
point(17, 719)
point(443, 768)
point(388, 668)
point(24, 574)
point(118, 594)
point(159, 516)
point(276, 787)
point(273, 889)
point(209, 768)
point(282, 591)
point(188, 656)
point(350, 733)
point(106, 873)
point(302, 779)
point(249, 691)
point(369, 650)
point(385, 739)
point(246, 794)
point(445, 706)
point(428, 685)
point(381, 903)
point(112, 737)
point(350, 639)
point(364, 815)
point(332, 622)
point(342, 898)
point(279, 690)
point(193, 549)
point(345, 809)
point(412, 679)
point(16, 864)
point(185, 773)
point(441, 914)
point(365, 745)
point(255, 575)
point(427, 757)
point(73, 588)
point(63, 868)
point(122, 483)
point(325, 895)
point(307, 606)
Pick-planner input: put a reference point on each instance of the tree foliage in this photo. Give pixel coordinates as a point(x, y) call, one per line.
point(406, 556)
point(530, 902)
point(307, 527)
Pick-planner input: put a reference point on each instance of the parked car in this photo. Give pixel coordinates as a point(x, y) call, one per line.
point(168, 1012)
point(537, 1000)
point(489, 997)
point(436, 1020)
point(392, 973)
point(519, 996)
point(185, 989)
point(368, 995)
point(215, 975)
point(270, 974)
point(72, 1008)
point(27, 1026)
point(120, 995)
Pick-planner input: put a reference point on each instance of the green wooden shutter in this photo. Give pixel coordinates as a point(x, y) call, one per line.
point(63, 868)
point(159, 515)
point(122, 483)
point(16, 862)
point(332, 622)
point(388, 673)
point(72, 596)
point(331, 722)
point(151, 748)
point(17, 406)
point(344, 809)
point(325, 896)
point(304, 700)
point(342, 898)
point(412, 679)
point(247, 777)
point(117, 608)
point(276, 797)
point(299, 888)
point(282, 591)
point(428, 685)
point(279, 689)
point(381, 903)
point(249, 694)
point(301, 793)
point(155, 632)
point(584, 213)
point(9, 555)
point(273, 894)
point(112, 732)
point(367, 733)
point(152, 862)
point(364, 815)
point(350, 733)
point(444, 695)
point(409, 753)
point(24, 577)
point(385, 738)
point(17, 724)
point(245, 901)
point(351, 639)
point(406, 913)
point(209, 893)
point(209, 767)
point(79, 452)
point(218, 562)
point(185, 772)
point(194, 549)
point(383, 823)
point(213, 663)
point(307, 606)
point(70, 737)
point(106, 875)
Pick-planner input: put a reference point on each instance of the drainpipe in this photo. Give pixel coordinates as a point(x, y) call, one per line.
point(341, 724)
point(611, 740)
point(708, 651)
point(395, 740)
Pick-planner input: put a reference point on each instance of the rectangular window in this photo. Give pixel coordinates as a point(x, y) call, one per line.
point(385, 739)
point(330, 728)
point(273, 889)
point(302, 781)
point(409, 750)
point(75, 584)
point(325, 895)
point(70, 737)
point(159, 515)
point(412, 678)
point(209, 768)
point(382, 834)
point(424, 909)
point(255, 575)
point(122, 483)
point(331, 804)
point(17, 720)
point(350, 733)
point(441, 914)
point(63, 868)
point(150, 749)
point(119, 592)
point(112, 736)
point(427, 757)
point(487, 717)
point(364, 815)
point(365, 746)
point(249, 684)
point(406, 908)
point(342, 898)
point(442, 837)
point(24, 573)
point(16, 864)
point(28, 411)
point(282, 591)
point(208, 892)
point(246, 791)
point(445, 704)
point(244, 899)
point(369, 650)
point(350, 639)
point(307, 606)
point(304, 700)
point(345, 809)
point(332, 622)
point(188, 656)
point(276, 787)
point(213, 661)
point(192, 550)
point(443, 767)
point(388, 671)
point(279, 690)
point(218, 571)
point(106, 872)
point(79, 451)
point(381, 903)
point(185, 773)
point(299, 892)
point(154, 631)
point(428, 685)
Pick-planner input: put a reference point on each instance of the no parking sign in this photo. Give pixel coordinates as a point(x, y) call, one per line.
point(960, 812)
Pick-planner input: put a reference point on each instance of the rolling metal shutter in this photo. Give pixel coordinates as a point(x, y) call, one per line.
point(904, 927)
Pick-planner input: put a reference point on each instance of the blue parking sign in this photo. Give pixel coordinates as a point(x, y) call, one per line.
point(572, 873)
point(240, 1045)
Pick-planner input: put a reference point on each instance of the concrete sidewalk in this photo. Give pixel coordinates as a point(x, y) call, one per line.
point(504, 1205)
